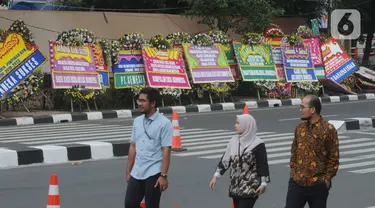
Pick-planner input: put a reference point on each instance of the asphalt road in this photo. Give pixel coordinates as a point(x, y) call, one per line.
point(280, 118)
point(98, 184)
point(274, 120)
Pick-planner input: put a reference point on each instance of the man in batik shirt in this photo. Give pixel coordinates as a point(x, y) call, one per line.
point(314, 158)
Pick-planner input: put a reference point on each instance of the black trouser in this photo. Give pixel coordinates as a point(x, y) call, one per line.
point(137, 189)
point(316, 196)
point(244, 202)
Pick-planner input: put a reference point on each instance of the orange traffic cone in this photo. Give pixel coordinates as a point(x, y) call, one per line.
point(53, 193)
point(232, 204)
point(143, 204)
point(246, 109)
point(176, 140)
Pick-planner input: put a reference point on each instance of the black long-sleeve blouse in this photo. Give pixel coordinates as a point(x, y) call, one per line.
point(248, 170)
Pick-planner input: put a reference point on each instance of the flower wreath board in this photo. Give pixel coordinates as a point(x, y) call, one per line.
point(298, 64)
point(101, 66)
point(165, 68)
point(19, 57)
point(128, 71)
point(313, 44)
point(255, 61)
point(232, 61)
point(338, 64)
point(274, 36)
point(207, 64)
point(74, 66)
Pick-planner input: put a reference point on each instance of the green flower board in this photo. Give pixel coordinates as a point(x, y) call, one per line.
point(126, 80)
point(255, 62)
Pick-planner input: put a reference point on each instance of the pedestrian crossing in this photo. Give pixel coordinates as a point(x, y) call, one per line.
point(357, 152)
point(68, 133)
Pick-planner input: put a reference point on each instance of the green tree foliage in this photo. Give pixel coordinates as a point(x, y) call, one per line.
point(4, 2)
point(239, 15)
point(304, 8)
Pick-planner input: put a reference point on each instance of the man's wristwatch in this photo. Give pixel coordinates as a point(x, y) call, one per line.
point(164, 175)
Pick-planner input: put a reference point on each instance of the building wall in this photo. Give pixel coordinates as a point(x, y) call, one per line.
point(46, 25)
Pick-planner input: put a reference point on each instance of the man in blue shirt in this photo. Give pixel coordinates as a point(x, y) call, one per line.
point(149, 153)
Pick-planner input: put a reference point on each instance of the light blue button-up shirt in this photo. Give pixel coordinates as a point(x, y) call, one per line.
point(149, 148)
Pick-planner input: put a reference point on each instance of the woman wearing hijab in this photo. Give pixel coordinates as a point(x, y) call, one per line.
point(246, 155)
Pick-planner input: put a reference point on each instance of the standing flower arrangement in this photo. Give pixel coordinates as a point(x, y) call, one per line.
point(20, 28)
point(26, 88)
point(30, 84)
point(255, 39)
point(294, 40)
point(202, 39)
point(76, 37)
point(282, 90)
point(219, 36)
point(79, 94)
point(265, 86)
point(106, 48)
point(274, 31)
point(252, 38)
point(174, 93)
point(220, 89)
point(304, 32)
point(160, 42)
point(178, 38)
point(309, 87)
point(131, 41)
point(115, 50)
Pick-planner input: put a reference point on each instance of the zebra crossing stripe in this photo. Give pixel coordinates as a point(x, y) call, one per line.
point(56, 131)
point(67, 133)
point(288, 153)
point(268, 145)
point(355, 165)
point(56, 141)
point(38, 128)
point(363, 171)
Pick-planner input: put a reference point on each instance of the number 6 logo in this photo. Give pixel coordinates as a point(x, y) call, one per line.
point(346, 24)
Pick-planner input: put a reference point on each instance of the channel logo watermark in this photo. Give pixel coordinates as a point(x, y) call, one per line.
point(346, 24)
